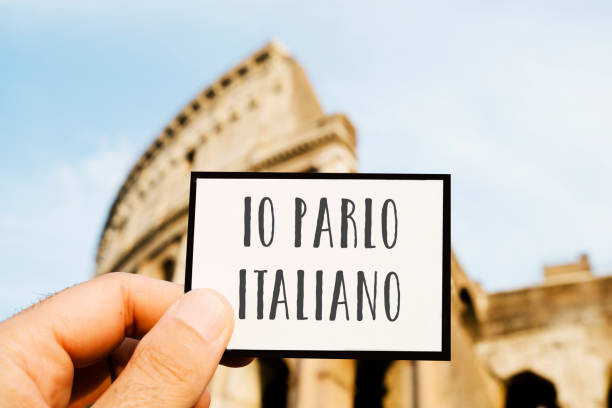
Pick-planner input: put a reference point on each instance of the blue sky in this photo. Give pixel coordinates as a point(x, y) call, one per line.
point(513, 98)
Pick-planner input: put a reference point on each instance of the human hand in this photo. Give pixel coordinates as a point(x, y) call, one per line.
point(67, 349)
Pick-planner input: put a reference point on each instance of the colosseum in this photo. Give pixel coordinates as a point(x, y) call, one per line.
point(543, 346)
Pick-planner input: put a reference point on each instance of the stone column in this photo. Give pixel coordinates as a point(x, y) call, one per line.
point(325, 383)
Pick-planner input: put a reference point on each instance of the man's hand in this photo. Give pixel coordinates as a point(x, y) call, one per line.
point(65, 350)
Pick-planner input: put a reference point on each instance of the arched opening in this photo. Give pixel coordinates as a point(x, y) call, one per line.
point(609, 394)
point(168, 267)
point(274, 375)
point(190, 155)
point(468, 314)
point(370, 386)
point(529, 390)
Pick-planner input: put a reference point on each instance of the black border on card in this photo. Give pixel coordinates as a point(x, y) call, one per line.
point(443, 355)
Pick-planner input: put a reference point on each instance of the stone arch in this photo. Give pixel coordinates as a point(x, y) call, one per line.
point(168, 267)
point(370, 387)
point(468, 313)
point(274, 382)
point(609, 390)
point(530, 390)
point(401, 380)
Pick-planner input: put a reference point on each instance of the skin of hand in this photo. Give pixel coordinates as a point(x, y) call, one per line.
point(162, 345)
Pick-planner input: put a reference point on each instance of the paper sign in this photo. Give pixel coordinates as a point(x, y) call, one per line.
point(326, 265)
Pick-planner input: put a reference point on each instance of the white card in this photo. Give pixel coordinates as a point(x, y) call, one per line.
point(326, 265)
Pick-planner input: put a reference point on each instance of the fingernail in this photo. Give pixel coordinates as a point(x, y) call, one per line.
point(204, 311)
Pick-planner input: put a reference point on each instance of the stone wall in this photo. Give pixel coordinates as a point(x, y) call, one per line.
point(262, 115)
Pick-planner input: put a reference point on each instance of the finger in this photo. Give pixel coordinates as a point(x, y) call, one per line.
point(236, 361)
point(174, 362)
point(204, 401)
point(120, 357)
point(81, 325)
point(91, 319)
point(90, 382)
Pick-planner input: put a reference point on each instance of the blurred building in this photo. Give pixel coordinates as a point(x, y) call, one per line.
point(543, 346)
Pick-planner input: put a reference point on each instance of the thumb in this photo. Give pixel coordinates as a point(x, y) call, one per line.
point(175, 361)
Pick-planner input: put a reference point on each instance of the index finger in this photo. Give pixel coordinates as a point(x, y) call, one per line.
point(89, 320)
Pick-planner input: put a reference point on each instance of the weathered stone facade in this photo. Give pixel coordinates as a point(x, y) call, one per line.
point(549, 342)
